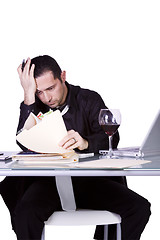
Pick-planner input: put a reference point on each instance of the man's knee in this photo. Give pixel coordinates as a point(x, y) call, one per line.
point(26, 211)
point(145, 208)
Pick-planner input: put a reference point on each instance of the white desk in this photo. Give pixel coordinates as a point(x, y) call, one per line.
point(148, 169)
point(63, 174)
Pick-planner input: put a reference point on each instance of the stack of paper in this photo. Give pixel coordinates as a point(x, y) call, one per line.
point(49, 158)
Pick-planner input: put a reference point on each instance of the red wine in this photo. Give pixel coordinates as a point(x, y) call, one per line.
point(110, 129)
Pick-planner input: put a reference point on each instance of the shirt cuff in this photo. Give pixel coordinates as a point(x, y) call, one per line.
point(27, 109)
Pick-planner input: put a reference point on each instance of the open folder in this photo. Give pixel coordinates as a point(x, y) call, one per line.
point(42, 134)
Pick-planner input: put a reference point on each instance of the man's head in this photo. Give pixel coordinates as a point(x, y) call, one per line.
point(50, 81)
point(44, 64)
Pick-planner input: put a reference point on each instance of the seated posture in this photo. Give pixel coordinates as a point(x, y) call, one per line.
point(31, 200)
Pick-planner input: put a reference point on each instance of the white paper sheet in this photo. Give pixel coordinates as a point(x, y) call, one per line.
point(111, 163)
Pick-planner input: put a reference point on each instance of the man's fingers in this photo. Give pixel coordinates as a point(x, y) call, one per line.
point(27, 66)
point(32, 70)
point(73, 140)
point(19, 69)
point(70, 144)
point(68, 137)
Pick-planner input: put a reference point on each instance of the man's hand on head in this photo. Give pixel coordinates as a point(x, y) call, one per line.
point(73, 140)
point(27, 81)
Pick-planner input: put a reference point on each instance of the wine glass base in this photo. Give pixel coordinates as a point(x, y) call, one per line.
point(107, 154)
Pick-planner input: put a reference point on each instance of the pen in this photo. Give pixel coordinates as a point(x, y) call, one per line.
point(23, 64)
point(8, 159)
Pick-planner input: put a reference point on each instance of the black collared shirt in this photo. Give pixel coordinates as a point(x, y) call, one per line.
point(82, 116)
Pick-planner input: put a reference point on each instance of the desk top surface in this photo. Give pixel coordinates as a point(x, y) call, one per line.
point(19, 168)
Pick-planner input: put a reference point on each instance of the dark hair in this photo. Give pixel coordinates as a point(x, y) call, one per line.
point(44, 64)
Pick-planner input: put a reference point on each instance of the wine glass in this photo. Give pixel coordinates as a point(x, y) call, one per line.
point(110, 120)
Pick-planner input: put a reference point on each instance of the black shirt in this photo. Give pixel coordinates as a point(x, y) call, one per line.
point(82, 116)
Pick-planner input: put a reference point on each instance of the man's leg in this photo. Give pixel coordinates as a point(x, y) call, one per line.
point(38, 202)
point(105, 194)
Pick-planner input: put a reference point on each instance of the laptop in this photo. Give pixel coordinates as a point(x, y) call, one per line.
point(149, 147)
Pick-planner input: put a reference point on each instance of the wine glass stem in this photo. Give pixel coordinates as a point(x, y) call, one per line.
point(110, 147)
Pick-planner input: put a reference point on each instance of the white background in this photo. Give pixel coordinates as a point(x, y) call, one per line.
point(112, 47)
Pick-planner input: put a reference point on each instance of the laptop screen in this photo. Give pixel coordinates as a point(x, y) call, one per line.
point(151, 142)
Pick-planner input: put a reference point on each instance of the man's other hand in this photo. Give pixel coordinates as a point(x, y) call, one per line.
point(28, 82)
point(73, 140)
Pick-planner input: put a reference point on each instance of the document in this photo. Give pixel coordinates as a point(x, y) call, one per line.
point(111, 163)
point(43, 136)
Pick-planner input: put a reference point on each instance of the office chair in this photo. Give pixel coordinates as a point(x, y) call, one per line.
point(76, 217)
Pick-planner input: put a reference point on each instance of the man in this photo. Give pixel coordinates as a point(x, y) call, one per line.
point(31, 200)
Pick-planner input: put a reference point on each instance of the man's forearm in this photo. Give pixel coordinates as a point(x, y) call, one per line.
point(29, 98)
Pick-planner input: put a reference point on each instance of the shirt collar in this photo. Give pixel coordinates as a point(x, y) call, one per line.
point(71, 96)
point(70, 99)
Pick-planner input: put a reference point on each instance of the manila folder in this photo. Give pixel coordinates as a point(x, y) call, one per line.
point(45, 136)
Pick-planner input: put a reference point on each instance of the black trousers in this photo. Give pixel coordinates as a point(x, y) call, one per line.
point(31, 200)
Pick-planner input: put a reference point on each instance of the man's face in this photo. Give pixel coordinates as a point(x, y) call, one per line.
point(51, 91)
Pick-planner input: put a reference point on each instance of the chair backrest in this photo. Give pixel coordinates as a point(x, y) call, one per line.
point(65, 191)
